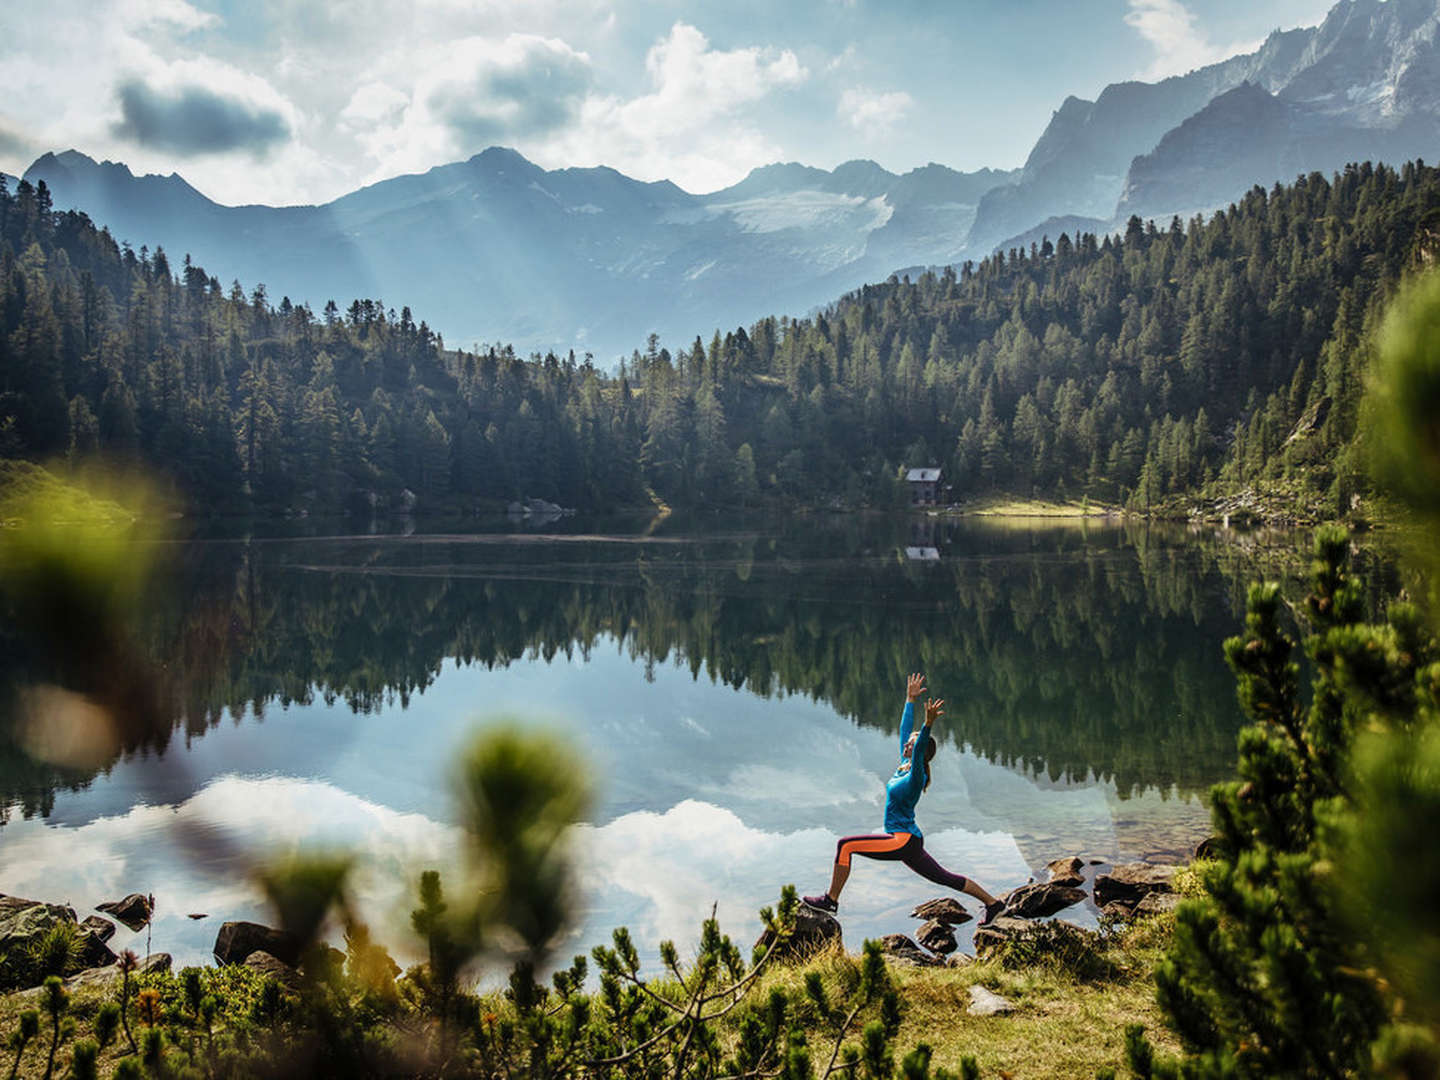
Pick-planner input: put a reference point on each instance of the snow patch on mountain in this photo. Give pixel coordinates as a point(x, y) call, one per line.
point(807, 210)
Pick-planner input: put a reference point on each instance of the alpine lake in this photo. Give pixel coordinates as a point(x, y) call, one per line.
point(735, 686)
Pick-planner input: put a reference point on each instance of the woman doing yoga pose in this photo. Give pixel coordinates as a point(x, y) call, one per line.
point(902, 839)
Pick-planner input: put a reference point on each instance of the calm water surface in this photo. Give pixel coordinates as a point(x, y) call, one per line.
point(737, 691)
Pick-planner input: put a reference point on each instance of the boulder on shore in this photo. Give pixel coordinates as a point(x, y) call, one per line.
point(1131, 882)
point(133, 911)
point(102, 978)
point(998, 931)
point(278, 970)
point(901, 948)
point(937, 937)
point(1157, 903)
point(237, 940)
point(1209, 848)
point(22, 924)
point(93, 950)
point(814, 930)
point(1038, 901)
point(945, 910)
point(103, 929)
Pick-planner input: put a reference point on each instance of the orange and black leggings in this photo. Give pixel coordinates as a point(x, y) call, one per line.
point(902, 846)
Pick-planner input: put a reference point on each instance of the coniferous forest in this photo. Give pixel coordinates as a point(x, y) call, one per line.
point(1174, 360)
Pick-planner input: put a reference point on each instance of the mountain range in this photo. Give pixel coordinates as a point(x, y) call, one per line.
point(497, 248)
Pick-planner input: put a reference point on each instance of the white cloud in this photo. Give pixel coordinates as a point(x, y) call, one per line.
point(373, 103)
point(694, 125)
point(470, 93)
point(1180, 45)
point(873, 113)
point(179, 14)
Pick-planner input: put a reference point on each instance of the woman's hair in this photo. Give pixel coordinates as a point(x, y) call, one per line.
point(930, 748)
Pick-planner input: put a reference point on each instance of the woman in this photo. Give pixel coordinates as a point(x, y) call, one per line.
point(902, 838)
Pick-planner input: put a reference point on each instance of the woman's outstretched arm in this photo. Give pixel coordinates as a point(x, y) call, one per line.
point(914, 689)
point(934, 709)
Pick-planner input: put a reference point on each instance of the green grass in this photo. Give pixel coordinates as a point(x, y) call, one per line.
point(1063, 1026)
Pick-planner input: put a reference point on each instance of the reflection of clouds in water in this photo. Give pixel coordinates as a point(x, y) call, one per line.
point(658, 873)
point(694, 725)
point(784, 787)
point(111, 856)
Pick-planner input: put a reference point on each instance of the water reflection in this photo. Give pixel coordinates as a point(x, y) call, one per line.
point(736, 691)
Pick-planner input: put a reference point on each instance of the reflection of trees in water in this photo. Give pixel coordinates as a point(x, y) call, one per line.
point(1063, 651)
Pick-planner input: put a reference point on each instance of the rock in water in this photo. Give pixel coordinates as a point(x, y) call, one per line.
point(1067, 871)
point(814, 930)
point(988, 1003)
point(937, 937)
point(1131, 882)
point(1037, 901)
point(945, 910)
point(133, 911)
point(237, 940)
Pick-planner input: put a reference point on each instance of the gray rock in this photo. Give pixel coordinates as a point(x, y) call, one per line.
point(988, 1003)
point(901, 948)
point(937, 937)
point(103, 929)
point(946, 910)
point(1038, 901)
point(814, 930)
point(278, 970)
point(1131, 882)
point(102, 978)
point(133, 911)
point(237, 940)
point(1157, 903)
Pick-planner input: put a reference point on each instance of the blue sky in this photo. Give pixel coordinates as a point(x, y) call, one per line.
point(284, 101)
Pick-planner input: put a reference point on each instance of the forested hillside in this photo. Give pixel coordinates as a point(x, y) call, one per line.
point(1129, 368)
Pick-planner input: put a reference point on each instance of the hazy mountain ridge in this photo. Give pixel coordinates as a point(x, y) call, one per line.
point(499, 248)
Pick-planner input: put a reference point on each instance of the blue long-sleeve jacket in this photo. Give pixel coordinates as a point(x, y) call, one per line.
point(903, 790)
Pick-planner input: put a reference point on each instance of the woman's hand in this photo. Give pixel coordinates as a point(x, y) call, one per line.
point(914, 687)
point(934, 709)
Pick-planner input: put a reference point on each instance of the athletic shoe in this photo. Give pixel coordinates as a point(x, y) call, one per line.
point(992, 912)
point(822, 903)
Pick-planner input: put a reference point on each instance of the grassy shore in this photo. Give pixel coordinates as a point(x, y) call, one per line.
point(1063, 1025)
point(1010, 506)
